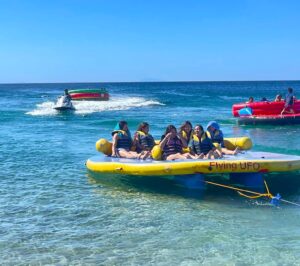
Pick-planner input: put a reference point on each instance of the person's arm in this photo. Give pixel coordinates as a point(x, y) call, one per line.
point(192, 148)
point(183, 140)
point(215, 149)
point(164, 141)
point(221, 139)
point(114, 145)
point(136, 142)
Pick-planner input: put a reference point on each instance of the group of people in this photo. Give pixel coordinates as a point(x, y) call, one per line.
point(289, 101)
point(186, 143)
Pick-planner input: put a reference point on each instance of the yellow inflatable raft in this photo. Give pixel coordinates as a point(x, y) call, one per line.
point(244, 143)
point(246, 162)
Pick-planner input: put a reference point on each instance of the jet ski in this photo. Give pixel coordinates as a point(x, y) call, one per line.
point(64, 104)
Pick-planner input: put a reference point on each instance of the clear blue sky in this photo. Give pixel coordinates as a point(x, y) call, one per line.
point(95, 40)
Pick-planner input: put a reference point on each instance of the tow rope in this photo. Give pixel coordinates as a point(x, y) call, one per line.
point(254, 195)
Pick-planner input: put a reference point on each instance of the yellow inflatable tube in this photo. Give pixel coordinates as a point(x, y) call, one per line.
point(244, 143)
point(249, 162)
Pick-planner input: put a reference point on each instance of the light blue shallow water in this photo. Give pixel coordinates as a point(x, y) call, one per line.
point(53, 212)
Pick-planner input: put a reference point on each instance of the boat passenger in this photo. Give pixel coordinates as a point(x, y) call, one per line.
point(202, 145)
point(186, 131)
point(278, 98)
point(122, 142)
point(215, 133)
point(289, 102)
point(143, 141)
point(263, 99)
point(172, 145)
point(250, 100)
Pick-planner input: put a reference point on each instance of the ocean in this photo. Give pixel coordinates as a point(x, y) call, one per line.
point(54, 213)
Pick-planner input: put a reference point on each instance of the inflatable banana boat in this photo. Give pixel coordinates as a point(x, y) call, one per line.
point(89, 95)
point(266, 113)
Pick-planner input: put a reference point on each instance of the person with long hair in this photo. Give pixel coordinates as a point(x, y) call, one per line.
point(172, 145)
point(143, 140)
point(186, 131)
point(122, 142)
point(202, 145)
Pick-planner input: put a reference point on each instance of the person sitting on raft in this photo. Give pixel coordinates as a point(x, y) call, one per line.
point(122, 142)
point(186, 131)
point(143, 141)
point(216, 135)
point(278, 98)
point(250, 100)
point(289, 102)
point(202, 145)
point(172, 145)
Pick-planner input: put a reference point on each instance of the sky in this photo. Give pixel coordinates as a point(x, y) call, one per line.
point(133, 41)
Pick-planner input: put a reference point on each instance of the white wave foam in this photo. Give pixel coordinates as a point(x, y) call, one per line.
point(88, 107)
point(232, 98)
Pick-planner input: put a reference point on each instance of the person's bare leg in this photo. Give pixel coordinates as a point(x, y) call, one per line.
point(176, 156)
point(128, 154)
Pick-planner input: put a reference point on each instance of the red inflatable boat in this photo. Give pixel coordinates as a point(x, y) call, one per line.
point(89, 95)
point(266, 113)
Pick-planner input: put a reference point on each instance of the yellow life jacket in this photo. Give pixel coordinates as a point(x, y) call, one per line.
point(146, 140)
point(141, 133)
point(184, 135)
point(203, 137)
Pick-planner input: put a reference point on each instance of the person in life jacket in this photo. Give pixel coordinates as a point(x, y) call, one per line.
point(202, 145)
point(214, 132)
point(172, 145)
point(289, 102)
point(122, 142)
point(186, 131)
point(143, 141)
point(278, 98)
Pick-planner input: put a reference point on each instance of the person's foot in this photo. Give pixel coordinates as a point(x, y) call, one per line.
point(236, 151)
point(145, 155)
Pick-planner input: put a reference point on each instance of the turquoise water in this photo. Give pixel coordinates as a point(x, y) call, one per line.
point(53, 212)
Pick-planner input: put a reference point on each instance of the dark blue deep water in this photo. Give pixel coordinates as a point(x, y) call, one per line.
point(52, 212)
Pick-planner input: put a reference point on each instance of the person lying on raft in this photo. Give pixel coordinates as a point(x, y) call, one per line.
point(122, 142)
point(186, 131)
point(143, 141)
point(172, 145)
point(202, 145)
point(216, 135)
point(278, 98)
point(250, 100)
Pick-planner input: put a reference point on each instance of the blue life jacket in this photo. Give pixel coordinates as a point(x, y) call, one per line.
point(216, 137)
point(202, 145)
point(172, 146)
point(289, 98)
point(146, 140)
point(124, 140)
